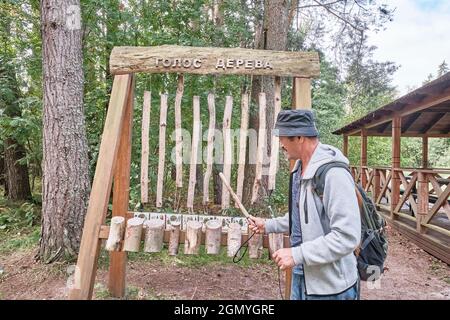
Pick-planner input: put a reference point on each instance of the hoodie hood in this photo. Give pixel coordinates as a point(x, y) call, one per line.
point(324, 153)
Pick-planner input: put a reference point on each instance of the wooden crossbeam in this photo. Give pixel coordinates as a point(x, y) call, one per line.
point(411, 120)
point(384, 188)
point(432, 122)
point(407, 193)
point(439, 203)
point(369, 181)
point(438, 191)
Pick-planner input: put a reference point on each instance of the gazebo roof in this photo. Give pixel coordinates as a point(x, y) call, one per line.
point(424, 112)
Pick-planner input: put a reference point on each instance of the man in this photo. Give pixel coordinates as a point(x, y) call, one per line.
point(323, 232)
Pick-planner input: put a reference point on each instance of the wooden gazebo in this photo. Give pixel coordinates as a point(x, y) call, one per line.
point(414, 200)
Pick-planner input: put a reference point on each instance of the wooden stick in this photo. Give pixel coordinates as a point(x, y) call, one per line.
point(133, 234)
point(242, 145)
point(155, 235)
point(275, 140)
point(194, 153)
point(255, 245)
point(213, 236)
point(234, 239)
point(193, 237)
point(115, 234)
point(210, 148)
point(162, 150)
point(174, 238)
point(235, 197)
point(145, 146)
point(178, 136)
point(261, 146)
point(227, 149)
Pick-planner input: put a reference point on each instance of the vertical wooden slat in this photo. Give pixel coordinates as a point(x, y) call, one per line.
point(425, 152)
point(345, 146)
point(210, 147)
point(396, 134)
point(178, 136)
point(376, 185)
point(275, 146)
point(261, 146)
point(101, 189)
point(226, 131)
point(363, 157)
point(162, 149)
point(121, 194)
point(145, 146)
point(423, 200)
point(242, 145)
point(194, 152)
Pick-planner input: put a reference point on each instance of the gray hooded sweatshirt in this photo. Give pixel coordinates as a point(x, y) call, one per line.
point(327, 241)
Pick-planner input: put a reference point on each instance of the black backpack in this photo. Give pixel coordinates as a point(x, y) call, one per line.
point(372, 250)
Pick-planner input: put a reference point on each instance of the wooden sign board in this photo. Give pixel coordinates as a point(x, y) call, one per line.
point(204, 60)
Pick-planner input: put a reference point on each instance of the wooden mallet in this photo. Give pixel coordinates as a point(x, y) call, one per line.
point(235, 197)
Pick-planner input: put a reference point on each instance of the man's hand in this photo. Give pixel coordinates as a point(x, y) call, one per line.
point(257, 225)
point(283, 258)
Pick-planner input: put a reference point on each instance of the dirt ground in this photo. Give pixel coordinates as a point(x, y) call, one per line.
point(412, 274)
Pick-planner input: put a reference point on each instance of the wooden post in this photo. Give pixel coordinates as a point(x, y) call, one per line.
point(210, 147)
point(424, 152)
point(227, 150)
point(101, 189)
point(213, 236)
point(133, 235)
point(116, 232)
point(174, 239)
point(194, 153)
point(363, 157)
point(234, 239)
point(242, 144)
point(376, 185)
point(145, 146)
point(178, 135)
point(262, 135)
point(162, 150)
point(154, 236)
point(255, 245)
point(275, 146)
point(345, 145)
point(396, 135)
point(193, 237)
point(423, 200)
point(121, 193)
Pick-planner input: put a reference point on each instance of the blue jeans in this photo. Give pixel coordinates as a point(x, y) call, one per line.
point(298, 291)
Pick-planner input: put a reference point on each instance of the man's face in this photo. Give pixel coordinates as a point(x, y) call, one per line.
point(291, 147)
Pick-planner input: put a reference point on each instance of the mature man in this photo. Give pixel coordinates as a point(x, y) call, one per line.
point(323, 232)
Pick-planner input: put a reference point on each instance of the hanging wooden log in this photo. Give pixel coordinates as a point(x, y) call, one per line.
point(154, 236)
point(210, 147)
point(213, 236)
point(227, 156)
point(242, 145)
point(133, 234)
point(162, 150)
point(234, 239)
point(145, 146)
point(261, 146)
point(255, 245)
point(178, 135)
point(115, 233)
point(275, 242)
point(193, 237)
point(174, 238)
point(194, 152)
point(275, 146)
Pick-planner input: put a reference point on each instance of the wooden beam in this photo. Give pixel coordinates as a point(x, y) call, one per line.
point(275, 145)
point(345, 146)
point(410, 121)
point(432, 122)
point(101, 190)
point(227, 149)
point(145, 146)
point(178, 133)
point(396, 135)
point(443, 198)
point(242, 145)
point(383, 127)
point(363, 162)
point(424, 152)
point(196, 128)
point(262, 136)
point(121, 195)
point(162, 149)
point(210, 147)
point(204, 60)
point(422, 200)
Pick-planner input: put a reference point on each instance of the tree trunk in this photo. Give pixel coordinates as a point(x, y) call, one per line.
point(3, 171)
point(66, 186)
point(273, 37)
point(16, 180)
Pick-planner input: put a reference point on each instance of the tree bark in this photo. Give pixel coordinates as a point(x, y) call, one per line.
point(273, 37)
point(66, 185)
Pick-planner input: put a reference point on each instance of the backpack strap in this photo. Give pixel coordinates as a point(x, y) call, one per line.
point(319, 177)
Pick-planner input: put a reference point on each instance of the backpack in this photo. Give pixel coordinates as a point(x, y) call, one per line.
point(372, 251)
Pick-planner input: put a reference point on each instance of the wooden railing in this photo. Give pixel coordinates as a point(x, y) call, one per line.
point(422, 195)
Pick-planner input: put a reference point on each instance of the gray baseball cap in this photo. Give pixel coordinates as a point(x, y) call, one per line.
point(295, 123)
